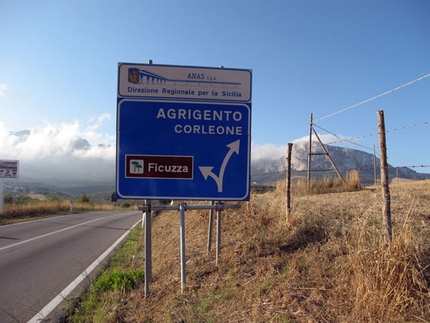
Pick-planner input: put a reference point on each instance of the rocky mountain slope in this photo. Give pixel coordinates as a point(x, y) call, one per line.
point(269, 170)
point(78, 167)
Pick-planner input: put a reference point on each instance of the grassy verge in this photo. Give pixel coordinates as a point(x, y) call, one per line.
point(329, 263)
point(121, 276)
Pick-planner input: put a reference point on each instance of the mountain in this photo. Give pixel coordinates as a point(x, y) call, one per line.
point(60, 162)
point(267, 171)
point(66, 162)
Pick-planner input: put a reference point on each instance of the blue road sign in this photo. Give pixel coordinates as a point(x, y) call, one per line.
point(183, 133)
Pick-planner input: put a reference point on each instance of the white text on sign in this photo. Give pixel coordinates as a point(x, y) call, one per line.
point(203, 115)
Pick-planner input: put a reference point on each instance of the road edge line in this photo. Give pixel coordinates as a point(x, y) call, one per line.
point(44, 312)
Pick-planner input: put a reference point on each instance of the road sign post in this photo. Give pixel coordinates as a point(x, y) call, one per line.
point(8, 169)
point(183, 132)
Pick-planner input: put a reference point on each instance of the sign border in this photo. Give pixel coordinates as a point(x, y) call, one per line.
point(16, 161)
point(221, 101)
point(247, 100)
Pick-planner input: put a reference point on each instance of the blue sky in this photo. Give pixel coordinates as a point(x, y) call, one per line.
point(58, 65)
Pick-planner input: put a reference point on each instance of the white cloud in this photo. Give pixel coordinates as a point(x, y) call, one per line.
point(96, 122)
point(102, 152)
point(56, 141)
point(83, 150)
point(3, 89)
point(325, 138)
point(270, 151)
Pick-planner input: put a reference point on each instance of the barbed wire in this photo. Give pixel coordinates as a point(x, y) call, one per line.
point(373, 98)
point(350, 140)
point(369, 135)
point(341, 140)
point(367, 168)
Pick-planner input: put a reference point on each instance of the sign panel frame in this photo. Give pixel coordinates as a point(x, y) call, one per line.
point(183, 132)
point(9, 168)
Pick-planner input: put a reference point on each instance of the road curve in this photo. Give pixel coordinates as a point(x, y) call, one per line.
point(39, 259)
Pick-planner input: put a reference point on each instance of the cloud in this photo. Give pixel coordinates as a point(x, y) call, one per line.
point(271, 151)
point(97, 122)
point(77, 150)
point(57, 141)
point(267, 151)
point(325, 138)
point(3, 89)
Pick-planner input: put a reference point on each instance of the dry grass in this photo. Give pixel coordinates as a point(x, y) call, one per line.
point(330, 263)
point(36, 209)
point(328, 184)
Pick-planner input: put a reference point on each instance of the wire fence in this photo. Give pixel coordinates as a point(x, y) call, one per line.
point(354, 140)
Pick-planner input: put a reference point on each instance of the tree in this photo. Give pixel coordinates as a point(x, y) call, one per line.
point(7, 199)
point(84, 198)
point(136, 166)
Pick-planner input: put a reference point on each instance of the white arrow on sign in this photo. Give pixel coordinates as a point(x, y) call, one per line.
point(207, 170)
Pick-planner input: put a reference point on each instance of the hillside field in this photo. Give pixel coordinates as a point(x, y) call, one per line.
point(328, 263)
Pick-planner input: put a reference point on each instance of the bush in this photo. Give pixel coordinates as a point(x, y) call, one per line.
point(84, 199)
point(125, 204)
point(8, 199)
point(22, 200)
point(119, 280)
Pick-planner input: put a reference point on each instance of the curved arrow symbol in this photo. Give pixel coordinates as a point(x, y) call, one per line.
point(207, 170)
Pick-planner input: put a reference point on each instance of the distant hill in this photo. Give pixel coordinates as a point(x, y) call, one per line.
point(267, 171)
point(69, 170)
point(80, 168)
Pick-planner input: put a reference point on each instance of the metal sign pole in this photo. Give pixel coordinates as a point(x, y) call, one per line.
point(148, 247)
point(182, 236)
point(211, 216)
point(219, 206)
point(218, 229)
point(1, 196)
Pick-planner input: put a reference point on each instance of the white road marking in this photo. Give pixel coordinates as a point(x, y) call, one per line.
point(66, 291)
point(54, 232)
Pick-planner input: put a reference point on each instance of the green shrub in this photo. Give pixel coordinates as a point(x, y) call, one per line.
point(125, 204)
point(119, 280)
point(8, 199)
point(84, 198)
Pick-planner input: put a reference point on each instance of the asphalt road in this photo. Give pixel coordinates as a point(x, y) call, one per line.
point(40, 259)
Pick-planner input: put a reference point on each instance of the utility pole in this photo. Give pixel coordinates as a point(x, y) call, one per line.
point(329, 157)
point(310, 154)
point(310, 150)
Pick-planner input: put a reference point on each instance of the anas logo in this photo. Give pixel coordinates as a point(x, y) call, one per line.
point(133, 75)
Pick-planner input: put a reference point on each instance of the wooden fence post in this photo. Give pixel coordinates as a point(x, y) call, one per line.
point(386, 209)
